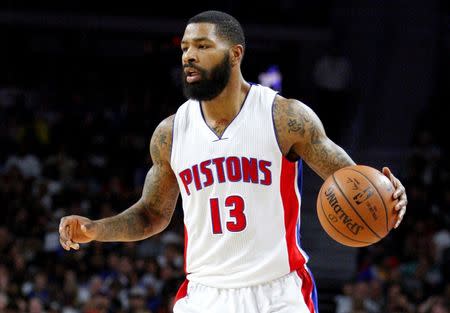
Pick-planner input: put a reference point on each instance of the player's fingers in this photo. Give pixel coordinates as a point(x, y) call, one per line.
point(63, 235)
point(66, 233)
point(64, 228)
point(63, 244)
point(387, 172)
point(400, 216)
point(70, 242)
point(62, 224)
point(69, 231)
point(399, 190)
point(400, 205)
point(66, 237)
point(73, 245)
point(399, 220)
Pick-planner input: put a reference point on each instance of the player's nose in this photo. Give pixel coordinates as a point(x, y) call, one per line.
point(189, 56)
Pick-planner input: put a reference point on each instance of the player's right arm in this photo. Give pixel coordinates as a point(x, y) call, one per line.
point(301, 134)
point(148, 216)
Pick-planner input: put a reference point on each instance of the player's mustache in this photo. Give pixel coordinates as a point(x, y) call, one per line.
point(201, 70)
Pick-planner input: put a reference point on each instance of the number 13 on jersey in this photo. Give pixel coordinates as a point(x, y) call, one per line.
point(234, 207)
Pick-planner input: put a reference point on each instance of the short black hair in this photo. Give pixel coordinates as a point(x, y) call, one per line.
point(227, 26)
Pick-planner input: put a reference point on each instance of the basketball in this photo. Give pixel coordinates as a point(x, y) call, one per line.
point(355, 206)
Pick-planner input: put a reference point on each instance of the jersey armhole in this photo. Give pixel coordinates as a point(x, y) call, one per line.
point(172, 148)
point(274, 127)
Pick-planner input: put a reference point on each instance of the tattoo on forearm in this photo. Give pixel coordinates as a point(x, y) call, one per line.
point(130, 225)
point(325, 156)
point(160, 191)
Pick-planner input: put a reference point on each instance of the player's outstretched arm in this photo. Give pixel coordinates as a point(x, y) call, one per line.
point(148, 216)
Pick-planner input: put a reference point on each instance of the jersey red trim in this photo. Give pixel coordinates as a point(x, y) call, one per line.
point(185, 247)
point(182, 291)
point(307, 289)
point(291, 204)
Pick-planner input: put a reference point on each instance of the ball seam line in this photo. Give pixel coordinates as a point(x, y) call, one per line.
point(356, 211)
point(352, 239)
point(379, 194)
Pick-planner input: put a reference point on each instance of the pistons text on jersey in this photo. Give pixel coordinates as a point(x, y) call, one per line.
point(232, 169)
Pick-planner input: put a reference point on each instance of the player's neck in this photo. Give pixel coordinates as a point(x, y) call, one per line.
point(228, 104)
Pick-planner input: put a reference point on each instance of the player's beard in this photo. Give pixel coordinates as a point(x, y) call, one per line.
point(211, 82)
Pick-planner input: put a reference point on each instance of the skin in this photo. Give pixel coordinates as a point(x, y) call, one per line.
point(299, 131)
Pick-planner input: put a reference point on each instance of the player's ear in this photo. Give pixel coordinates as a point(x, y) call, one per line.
point(236, 54)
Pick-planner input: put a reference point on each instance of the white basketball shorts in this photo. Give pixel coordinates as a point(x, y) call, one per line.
point(293, 293)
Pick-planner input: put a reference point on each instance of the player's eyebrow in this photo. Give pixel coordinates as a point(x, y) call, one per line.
point(197, 39)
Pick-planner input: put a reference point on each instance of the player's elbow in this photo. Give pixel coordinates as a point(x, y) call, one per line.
point(155, 219)
point(160, 223)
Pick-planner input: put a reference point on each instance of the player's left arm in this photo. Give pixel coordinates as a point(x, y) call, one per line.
point(301, 135)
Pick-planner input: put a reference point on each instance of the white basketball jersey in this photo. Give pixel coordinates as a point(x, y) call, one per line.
point(241, 196)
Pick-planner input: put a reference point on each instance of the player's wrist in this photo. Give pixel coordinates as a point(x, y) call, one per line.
point(91, 229)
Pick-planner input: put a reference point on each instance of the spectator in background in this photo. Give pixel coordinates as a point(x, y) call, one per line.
point(35, 305)
point(27, 162)
point(397, 300)
point(435, 304)
point(99, 303)
point(356, 297)
point(137, 301)
point(3, 302)
point(37, 289)
point(85, 292)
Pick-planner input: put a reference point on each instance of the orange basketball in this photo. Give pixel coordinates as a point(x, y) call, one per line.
point(356, 207)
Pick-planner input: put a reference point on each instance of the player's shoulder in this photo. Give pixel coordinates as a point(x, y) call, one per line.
point(284, 108)
point(184, 107)
point(166, 124)
point(161, 141)
point(292, 119)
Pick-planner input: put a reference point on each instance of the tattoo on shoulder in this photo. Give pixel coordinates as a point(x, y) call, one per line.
point(297, 123)
point(290, 121)
point(161, 142)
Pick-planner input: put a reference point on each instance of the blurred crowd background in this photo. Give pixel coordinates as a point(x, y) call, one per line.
point(83, 87)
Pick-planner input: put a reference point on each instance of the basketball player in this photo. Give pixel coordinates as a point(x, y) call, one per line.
point(234, 151)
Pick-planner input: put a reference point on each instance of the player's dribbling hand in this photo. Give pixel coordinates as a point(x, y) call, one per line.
point(74, 230)
point(399, 194)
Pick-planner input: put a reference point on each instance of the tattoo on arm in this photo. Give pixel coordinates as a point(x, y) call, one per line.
point(159, 144)
point(296, 127)
point(129, 225)
point(324, 156)
point(300, 133)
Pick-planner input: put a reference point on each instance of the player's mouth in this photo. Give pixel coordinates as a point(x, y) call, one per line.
point(192, 75)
